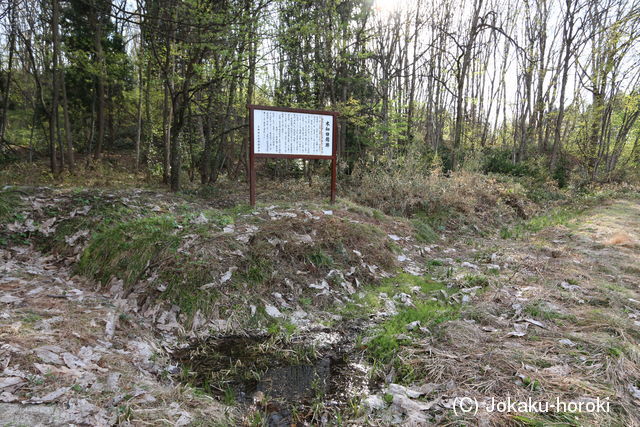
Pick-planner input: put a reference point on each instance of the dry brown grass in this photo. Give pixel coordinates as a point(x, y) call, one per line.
point(620, 239)
point(463, 196)
point(476, 356)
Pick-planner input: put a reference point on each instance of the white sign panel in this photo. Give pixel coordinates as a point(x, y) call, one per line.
point(283, 132)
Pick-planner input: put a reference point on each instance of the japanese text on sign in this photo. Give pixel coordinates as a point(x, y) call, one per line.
point(283, 132)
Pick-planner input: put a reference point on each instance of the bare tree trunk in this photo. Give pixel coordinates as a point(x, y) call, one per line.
point(540, 96)
point(412, 84)
point(139, 107)
point(224, 137)
point(100, 101)
point(166, 131)
point(12, 43)
point(244, 152)
point(53, 114)
point(67, 125)
point(461, 77)
point(567, 39)
point(148, 136)
point(176, 158)
point(33, 128)
point(205, 165)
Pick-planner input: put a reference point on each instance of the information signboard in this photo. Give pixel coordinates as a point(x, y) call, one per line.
point(291, 133)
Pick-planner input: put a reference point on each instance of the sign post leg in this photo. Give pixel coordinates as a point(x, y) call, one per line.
point(252, 163)
point(252, 181)
point(334, 158)
point(333, 180)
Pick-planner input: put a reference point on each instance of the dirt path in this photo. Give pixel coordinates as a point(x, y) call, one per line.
point(587, 278)
point(558, 321)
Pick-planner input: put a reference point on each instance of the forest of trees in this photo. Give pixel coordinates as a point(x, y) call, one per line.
point(517, 84)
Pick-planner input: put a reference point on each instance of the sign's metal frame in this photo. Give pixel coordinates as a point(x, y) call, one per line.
point(253, 155)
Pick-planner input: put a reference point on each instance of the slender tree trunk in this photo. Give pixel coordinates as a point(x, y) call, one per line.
point(567, 38)
point(412, 84)
point(148, 129)
point(12, 43)
point(176, 159)
point(53, 114)
point(224, 138)
point(67, 125)
point(205, 165)
point(100, 89)
point(139, 107)
point(540, 100)
point(166, 130)
point(92, 127)
point(244, 156)
point(170, 99)
point(33, 128)
point(461, 78)
point(180, 106)
point(179, 109)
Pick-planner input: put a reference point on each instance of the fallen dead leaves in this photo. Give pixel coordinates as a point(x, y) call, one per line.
point(62, 349)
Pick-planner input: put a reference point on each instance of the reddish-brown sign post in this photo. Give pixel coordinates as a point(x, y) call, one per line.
point(291, 133)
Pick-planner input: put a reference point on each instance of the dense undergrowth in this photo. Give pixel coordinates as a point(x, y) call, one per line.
point(481, 197)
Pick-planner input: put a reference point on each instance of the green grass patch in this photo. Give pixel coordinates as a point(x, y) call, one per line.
point(615, 352)
point(320, 259)
point(184, 277)
point(384, 346)
point(541, 310)
point(127, 249)
point(547, 419)
point(9, 201)
point(219, 218)
point(368, 300)
point(558, 216)
point(423, 231)
point(30, 317)
point(435, 263)
point(238, 210)
point(472, 280)
point(364, 210)
point(257, 270)
point(385, 343)
point(101, 218)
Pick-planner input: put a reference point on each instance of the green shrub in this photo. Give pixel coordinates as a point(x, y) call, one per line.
point(561, 173)
point(500, 161)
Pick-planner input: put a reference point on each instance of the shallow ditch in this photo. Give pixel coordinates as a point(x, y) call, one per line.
point(308, 378)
